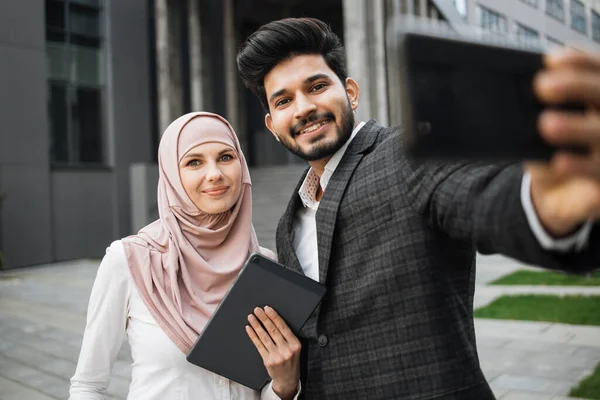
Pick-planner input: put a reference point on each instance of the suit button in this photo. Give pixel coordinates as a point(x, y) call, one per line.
point(322, 340)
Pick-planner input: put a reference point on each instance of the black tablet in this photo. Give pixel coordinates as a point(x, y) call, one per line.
point(224, 346)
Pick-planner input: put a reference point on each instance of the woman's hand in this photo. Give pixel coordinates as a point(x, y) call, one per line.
point(279, 349)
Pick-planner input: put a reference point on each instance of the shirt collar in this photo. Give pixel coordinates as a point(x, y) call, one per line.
point(308, 190)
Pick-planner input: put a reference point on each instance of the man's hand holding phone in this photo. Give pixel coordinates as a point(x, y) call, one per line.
point(566, 190)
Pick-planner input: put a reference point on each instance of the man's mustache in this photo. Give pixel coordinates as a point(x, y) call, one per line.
point(294, 130)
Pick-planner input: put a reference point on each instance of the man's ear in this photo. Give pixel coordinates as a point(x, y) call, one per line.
point(269, 124)
point(353, 92)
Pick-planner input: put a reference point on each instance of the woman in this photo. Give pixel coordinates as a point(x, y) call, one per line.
point(161, 286)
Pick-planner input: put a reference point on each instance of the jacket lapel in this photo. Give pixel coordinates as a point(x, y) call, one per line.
point(285, 232)
point(330, 202)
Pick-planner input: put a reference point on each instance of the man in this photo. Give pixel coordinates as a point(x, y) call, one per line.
point(395, 241)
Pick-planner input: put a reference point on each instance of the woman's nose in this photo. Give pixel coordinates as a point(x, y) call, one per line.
point(214, 172)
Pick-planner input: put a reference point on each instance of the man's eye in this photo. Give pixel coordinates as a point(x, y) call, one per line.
point(318, 87)
point(281, 102)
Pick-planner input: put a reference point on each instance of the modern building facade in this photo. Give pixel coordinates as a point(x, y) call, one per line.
point(547, 23)
point(88, 86)
point(75, 111)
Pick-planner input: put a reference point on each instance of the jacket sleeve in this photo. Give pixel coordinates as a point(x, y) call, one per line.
point(107, 312)
point(480, 203)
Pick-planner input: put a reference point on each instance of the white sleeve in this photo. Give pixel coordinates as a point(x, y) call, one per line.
point(268, 253)
point(107, 313)
point(267, 392)
point(576, 241)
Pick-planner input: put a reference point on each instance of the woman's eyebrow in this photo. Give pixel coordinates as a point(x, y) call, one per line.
point(201, 155)
point(197, 155)
point(225, 151)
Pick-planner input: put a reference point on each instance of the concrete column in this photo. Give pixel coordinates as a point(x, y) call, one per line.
point(423, 8)
point(396, 6)
point(231, 73)
point(163, 69)
point(364, 38)
point(168, 15)
point(195, 45)
point(176, 20)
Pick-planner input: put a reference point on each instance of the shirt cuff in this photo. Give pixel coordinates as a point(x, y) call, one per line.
point(269, 394)
point(577, 240)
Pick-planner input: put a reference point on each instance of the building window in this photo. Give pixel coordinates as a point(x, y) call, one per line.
point(595, 26)
point(76, 80)
point(532, 3)
point(556, 9)
point(553, 43)
point(578, 21)
point(461, 7)
point(491, 20)
point(527, 35)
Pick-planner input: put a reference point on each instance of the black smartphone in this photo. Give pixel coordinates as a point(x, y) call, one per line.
point(461, 97)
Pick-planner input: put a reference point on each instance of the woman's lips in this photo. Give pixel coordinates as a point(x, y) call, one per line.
point(218, 191)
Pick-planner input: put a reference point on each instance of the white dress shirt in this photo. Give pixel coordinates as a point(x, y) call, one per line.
point(305, 223)
point(160, 370)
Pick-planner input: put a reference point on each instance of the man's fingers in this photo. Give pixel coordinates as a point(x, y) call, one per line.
point(571, 165)
point(262, 334)
point(572, 58)
point(270, 326)
point(563, 128)
point(568, 85)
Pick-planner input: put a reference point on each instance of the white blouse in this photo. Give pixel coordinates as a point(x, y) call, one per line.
point(160, 370)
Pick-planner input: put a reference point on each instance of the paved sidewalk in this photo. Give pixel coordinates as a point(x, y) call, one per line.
point(531, 360)
point(42, 316)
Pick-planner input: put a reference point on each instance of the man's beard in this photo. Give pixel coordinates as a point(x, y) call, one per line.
point(344, 131)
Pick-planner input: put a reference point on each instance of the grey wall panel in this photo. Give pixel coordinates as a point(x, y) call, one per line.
point(82, 205)
point(129, 97)
point(25, 219)
point(22, 23)
point(23, 106)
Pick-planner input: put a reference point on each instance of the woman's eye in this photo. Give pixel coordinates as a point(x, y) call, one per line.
point(226, 157)
point(193, 163)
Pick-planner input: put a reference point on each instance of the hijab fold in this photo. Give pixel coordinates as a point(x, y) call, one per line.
point(183, 263)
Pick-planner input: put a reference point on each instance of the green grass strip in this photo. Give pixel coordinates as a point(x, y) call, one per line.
point(578, 310)
point(589, 388)
point(549, 279)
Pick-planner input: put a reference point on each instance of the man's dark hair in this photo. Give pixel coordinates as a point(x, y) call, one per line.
point(281, 40)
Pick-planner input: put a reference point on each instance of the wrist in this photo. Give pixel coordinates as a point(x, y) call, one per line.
point(285, 390)
point(555, 224)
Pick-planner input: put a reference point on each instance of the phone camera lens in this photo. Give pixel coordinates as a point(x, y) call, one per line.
point(424, 128)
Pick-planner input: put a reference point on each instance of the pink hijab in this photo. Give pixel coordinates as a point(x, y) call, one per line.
point(184, 262)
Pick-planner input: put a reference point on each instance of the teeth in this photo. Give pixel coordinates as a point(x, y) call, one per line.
point(314, 127)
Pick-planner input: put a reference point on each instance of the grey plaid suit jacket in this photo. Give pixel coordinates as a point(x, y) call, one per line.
point(396, 243)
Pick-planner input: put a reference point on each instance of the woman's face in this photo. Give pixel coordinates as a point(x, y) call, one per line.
point(211, 174)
